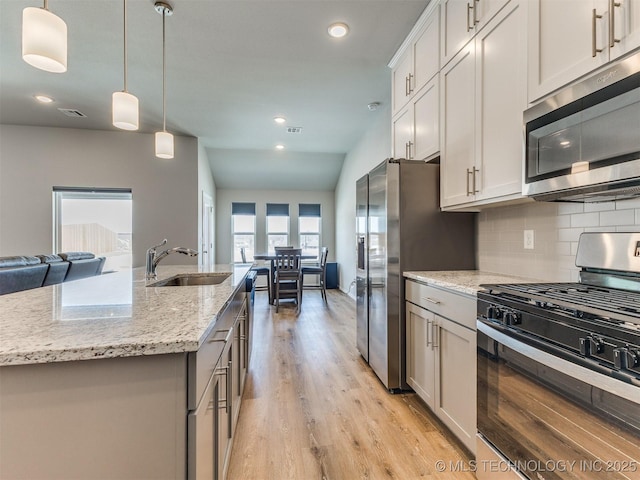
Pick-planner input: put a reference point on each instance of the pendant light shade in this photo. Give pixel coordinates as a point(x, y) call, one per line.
point(44, 40)
point(124, 106)
point(164, 145)
point(125, 110)
point(164, 140)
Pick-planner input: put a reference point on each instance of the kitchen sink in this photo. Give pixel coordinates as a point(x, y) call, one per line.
point(191, 279)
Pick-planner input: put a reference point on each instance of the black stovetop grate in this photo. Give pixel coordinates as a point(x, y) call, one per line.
point(621, 305)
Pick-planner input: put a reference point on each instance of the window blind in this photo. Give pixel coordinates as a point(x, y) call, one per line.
point(309, 210)
point(243, 208)
point(277, 209)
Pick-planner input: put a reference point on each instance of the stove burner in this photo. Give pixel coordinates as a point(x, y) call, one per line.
point(580, 300)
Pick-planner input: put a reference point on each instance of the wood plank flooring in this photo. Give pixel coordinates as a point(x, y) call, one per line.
point(313, 409)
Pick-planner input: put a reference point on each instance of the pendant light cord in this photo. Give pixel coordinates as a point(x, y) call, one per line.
point(125, 45)
point(164, 74)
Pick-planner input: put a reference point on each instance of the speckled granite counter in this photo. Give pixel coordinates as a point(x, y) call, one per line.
point(463, 281)
point(112, 315)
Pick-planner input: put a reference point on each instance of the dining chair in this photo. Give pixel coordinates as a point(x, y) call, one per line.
point(260, 270)
point(321, 270)
point(288, 276)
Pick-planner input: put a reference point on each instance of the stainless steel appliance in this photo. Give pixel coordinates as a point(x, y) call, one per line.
point(559, 370)
point(583, 144)
point(399, 227)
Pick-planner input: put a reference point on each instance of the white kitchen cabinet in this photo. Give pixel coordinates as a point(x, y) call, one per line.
point(455, 367)
point(460, 20)
point(483, 95)
point(420, 353)
point(416, 127)
point(441, 355)
point(570, 38)
point(417, 60)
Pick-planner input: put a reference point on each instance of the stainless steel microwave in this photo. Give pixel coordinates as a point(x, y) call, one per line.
point(583, 144)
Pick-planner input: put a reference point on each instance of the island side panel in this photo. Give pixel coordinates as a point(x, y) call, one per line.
point(121, 418)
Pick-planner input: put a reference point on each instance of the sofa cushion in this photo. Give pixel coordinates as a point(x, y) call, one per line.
point(52, 258)
point(71, 256)
point(23, 277)
point(18, 261)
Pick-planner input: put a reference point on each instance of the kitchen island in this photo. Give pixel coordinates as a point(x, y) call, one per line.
point(107, 377)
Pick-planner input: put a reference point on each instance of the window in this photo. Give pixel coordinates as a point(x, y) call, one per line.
point(243, 218)
point(277, 225)
point(309, 219)
point(96, 221)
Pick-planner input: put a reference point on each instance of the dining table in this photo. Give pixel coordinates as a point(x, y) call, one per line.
point(272, 258)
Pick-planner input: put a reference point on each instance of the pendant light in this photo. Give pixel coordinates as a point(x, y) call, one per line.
point(44, 39)
point(124, 106)
point(164, 140)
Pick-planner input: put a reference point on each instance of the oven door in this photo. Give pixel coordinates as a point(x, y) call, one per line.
point(551, 418)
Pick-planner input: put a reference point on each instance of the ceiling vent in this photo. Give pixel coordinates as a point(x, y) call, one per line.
point(70, 112)
point(294, 129)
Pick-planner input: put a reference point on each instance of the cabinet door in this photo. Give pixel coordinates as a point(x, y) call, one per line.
point(224, 411)
point(456, 27)
point(457, 128)
point(426, 52)
point(426, 121)
point(402, 133)
point(625, 35)
point(456, 380)
point(562, 35)
point(401, 80)
point(420, 352)
point(500, 101)
point(201, 425)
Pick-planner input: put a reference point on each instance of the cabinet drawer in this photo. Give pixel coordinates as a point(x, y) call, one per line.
point(201, 365)
point(454, 306)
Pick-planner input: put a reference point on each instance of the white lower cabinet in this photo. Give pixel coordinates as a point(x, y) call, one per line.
point(441, 356)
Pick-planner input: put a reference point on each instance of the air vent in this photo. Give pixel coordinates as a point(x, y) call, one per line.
point(294, 129)
point(70, 112)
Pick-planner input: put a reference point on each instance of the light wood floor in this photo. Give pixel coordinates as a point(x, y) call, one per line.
point(313, 409)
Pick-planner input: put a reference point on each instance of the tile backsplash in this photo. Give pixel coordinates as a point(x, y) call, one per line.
point(556, 228)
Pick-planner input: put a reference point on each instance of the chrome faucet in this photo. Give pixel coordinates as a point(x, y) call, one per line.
point(153, 258)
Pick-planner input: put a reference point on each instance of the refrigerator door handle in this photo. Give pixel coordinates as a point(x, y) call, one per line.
point(361, 242)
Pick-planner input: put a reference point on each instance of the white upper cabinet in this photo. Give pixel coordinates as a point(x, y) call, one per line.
point(569, 38)
point(461, 20)
point(416, 127)
point(483, 95)
point(417, 60)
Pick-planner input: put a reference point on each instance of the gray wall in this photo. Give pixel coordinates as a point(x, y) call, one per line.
point(34, 159)
point(374, 147)
point(224, 198)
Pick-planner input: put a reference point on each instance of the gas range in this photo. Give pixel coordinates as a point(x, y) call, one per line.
point(597, 319)
point(559, 368)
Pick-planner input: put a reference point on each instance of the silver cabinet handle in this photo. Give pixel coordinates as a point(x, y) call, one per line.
point(612, 23)
point(428, 326)
point(409, 145)
point(594, 48)
point(475, 190)
point(475, 12)
point(431, 300)
point(406, 150)
point(406, 86)
point(410, 87)
point(434, 335)
point(469, 8)
point(469, 172)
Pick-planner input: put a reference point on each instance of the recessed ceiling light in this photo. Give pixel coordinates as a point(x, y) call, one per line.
point(43, 98)
point(338, 30)
point(279, 147)
point(279, 119)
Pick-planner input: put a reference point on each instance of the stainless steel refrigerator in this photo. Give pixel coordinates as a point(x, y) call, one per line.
point(399, 227)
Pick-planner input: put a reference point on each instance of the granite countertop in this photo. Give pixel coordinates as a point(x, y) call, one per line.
point(112, 315)
point(464, 281)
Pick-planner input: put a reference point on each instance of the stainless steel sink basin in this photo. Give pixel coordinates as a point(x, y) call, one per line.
point(191, 279)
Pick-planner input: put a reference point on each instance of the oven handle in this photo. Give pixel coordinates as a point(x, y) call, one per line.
point(617, 387)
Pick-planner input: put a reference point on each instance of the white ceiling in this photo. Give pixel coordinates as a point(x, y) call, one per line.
point(232, 65)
